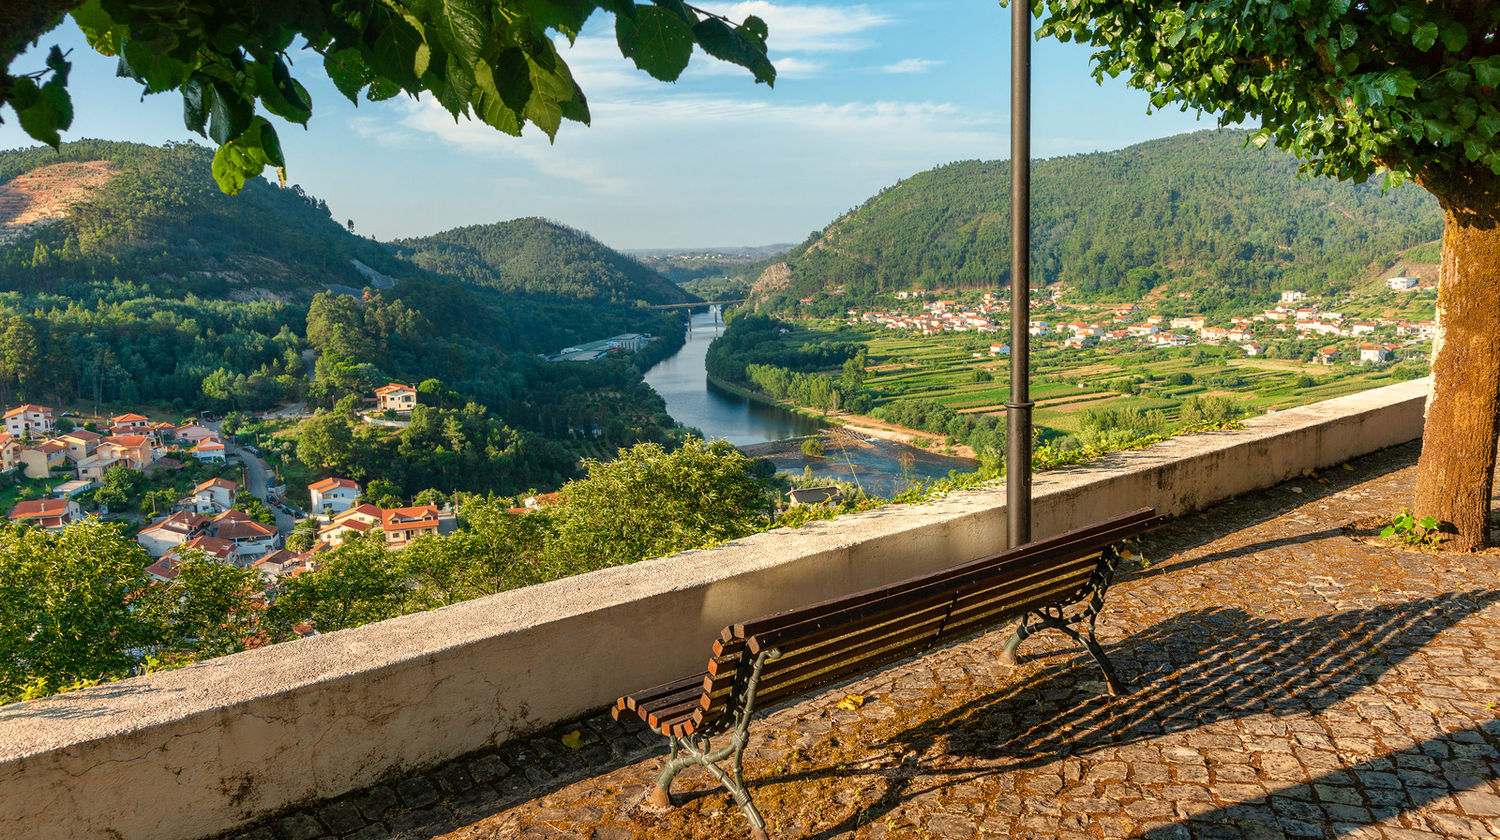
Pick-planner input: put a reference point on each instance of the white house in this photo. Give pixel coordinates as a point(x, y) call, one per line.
point(1293, 296)
point(396, 397)
point(28, 419)
point(161, 537)
point(1374, 353)
point(333, 495)
point(215, 496)
point(1401, 284)
point(209, 450)
point(251, 540)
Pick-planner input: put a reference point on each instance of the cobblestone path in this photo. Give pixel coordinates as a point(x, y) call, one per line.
point(1288, 680)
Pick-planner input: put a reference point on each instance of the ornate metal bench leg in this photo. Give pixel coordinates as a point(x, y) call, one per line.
point(1111, 679)
point(1008, 652)
point(742, 798)
point(661, 795)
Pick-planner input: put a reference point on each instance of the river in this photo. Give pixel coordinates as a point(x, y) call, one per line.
point(881, 467)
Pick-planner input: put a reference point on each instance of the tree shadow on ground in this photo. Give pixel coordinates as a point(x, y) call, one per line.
point(1193, 669)
point(1398, 783)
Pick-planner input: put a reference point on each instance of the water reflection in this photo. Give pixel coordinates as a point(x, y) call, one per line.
point(881, 467)
point(693, 401)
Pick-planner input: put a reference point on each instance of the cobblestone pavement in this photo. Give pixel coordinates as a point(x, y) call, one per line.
point(1288, 680)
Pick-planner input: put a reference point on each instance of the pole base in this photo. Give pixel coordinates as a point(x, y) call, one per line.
point(660, 798)
point(758, 834)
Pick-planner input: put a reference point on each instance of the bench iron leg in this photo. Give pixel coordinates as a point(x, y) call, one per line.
point(1008, 653)
point(697, 749)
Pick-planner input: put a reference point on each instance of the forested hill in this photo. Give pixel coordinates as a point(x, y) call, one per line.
point(158, 218)
point(538, 256)
point(1198, 208)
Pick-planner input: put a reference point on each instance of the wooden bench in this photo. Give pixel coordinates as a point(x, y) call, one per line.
point(779, 657)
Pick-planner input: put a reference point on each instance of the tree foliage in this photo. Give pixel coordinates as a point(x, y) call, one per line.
point(495, 62)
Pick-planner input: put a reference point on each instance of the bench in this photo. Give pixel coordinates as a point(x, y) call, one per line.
point(779, 657)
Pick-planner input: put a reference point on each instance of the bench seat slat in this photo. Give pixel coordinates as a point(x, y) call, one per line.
point(1080, 540)
point(1003, 586)
point(913, 598)
point(923, 628)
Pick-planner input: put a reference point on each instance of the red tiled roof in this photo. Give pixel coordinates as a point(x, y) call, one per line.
point(217, 482)
point(127, 440)
point(39, 508)
point(22, 409)
point(211, 546)
point(82, 434)
point(397, 519)
point(394, 387)
point(330, 483)
point(127, 418)
point(241, 529)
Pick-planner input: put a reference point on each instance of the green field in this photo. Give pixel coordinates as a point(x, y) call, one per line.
point(942, 368)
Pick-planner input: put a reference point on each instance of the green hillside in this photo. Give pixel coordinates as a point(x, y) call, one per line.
point(538, 256)
point(1198, 209)
point(162, 221)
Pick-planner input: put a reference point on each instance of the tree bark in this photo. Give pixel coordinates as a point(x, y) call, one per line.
point(1455, 474)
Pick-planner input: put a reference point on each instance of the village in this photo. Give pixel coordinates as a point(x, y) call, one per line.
point(1296, 316)
point(241, 522)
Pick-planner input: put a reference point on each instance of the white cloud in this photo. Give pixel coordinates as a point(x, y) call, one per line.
point(912, 65)
point(810, 29)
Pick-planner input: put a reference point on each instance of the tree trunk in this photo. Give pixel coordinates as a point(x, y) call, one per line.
point(1456, 472)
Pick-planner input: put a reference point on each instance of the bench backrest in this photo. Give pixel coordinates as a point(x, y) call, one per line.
point(824, 643)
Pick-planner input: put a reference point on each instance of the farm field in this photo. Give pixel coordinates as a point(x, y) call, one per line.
point(1066, 382)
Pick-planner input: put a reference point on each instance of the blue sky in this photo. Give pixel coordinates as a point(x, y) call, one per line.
point(867, 93)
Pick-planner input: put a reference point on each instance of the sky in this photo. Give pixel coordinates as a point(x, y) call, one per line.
point(867, 93)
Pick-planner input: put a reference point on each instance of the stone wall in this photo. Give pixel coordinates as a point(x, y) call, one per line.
point(189, 753)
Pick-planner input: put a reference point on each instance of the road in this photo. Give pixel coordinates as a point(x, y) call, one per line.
point(257, 478)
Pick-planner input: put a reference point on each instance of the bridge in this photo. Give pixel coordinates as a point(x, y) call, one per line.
point(696, 304)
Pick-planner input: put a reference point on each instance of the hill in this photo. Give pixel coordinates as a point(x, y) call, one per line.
point(104, 210)
point(538, 256)
point(1199, 210)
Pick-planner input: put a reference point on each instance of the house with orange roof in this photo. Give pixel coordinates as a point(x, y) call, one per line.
point(29, 420)
point(136, 449)
point(396, 397)
point(10, 451)
point(130, 421)
point(81, 443)
point(165, 569)
point(96, 465)
point(166, 534)
point(282, 563)
point(214, 496)
point(193, 434)
point(402, 525)
point(52, 514)
point(41, 459)
point(333, 495)
point(360, 519)
point(250, 539)
point(208, 450)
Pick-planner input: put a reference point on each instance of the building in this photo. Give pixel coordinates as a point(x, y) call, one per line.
point(161, 537)
point(1374, 353)
point(126, 423)
point(214, 496)
point(136, 450)
point(95, 466)
point(39, 461)
point(630, 342)
point(53, 514)
point(29, 420)
point(251, 539)
point(1396, 284)
point(1252, 349)
point(1293, 296)
point(333, 495)
point(402, 525)
point(194, 434)
point(396, 397)
point(356, 520)
point(209, 450)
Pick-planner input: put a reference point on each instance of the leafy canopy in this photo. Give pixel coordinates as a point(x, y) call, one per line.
point(1351, 87)
point(495, 61)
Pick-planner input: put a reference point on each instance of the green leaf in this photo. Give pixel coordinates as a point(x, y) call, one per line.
point(348, 71)
point(229, 113)
point(35, 114)
point(658, 41)
point(196, 96)
point(1400, 23)
point(1428, 523)
point(721, 41)
point(98, 27)
point(1424, 35)
point(1455, 36)
point(247, 156)
point(157, 71)
point(462, 26)
point(1487, 70)
point(1388, 531)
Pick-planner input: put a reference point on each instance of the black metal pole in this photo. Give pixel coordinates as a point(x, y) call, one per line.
point(1018, 408)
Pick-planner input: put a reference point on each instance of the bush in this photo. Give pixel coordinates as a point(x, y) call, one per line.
point(812, 448)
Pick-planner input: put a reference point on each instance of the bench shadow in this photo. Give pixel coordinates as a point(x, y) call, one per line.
point(1196, 668)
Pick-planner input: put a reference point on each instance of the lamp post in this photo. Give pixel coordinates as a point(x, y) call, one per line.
point(1018, 407)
